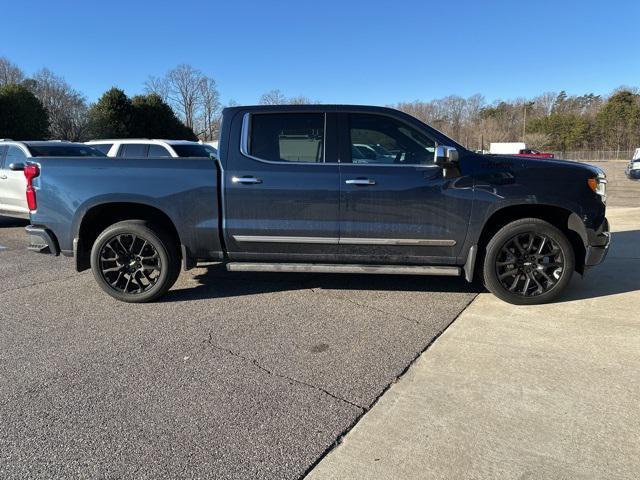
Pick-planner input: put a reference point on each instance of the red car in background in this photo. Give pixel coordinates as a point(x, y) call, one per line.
point(528, 152)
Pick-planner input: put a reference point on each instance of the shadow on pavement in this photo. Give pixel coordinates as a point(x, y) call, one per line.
point(614, 276)
point(619, 273)
point(10, 222)
point(217, 282)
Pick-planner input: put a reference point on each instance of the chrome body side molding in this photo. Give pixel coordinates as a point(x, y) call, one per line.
point(285, 239)
point(397, 241)
point(345, 241)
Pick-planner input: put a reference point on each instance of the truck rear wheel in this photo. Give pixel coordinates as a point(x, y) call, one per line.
point(528, 262)
point(134, 261)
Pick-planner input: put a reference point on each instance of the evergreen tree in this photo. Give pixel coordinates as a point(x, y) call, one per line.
point(22, 116)
point(153, 118)
point(110, 116)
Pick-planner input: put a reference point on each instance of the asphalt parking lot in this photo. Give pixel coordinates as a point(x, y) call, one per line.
point(231, 376)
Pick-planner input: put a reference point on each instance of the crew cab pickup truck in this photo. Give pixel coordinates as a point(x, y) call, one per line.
point(287, 195)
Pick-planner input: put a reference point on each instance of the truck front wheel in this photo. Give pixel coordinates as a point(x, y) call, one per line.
point(134, 261)
point(527, 262)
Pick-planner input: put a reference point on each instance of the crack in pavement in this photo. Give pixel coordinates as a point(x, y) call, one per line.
point(254, 362)
point(316, 290)
point(42, 283)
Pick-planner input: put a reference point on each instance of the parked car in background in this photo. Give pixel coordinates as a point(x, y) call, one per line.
point(375, 152)
point(633, 167)
point(144, 147)
point(213, 151)
point(529, 152)
point(291, 192)
point(516, 148)
point(13, 184)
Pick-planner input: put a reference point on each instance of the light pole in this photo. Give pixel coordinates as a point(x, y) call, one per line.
point(524, 121)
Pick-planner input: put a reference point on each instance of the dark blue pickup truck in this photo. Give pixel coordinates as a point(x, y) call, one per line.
point(323, 188)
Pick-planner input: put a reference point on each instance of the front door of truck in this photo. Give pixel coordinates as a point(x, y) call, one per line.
point(396, 205)
point(281, 187)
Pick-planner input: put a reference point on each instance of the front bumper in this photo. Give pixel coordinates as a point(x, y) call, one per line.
point(42, 240)
point(599, 241)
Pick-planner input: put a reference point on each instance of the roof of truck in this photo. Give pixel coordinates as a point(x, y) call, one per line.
point(323, 107)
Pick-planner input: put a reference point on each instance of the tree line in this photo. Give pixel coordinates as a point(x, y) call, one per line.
point(185, 104)
point(554, 121)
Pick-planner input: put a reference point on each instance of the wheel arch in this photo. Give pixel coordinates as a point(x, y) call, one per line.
point(100, 216)
point(563, 219)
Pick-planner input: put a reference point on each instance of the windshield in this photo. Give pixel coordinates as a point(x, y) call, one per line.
point(191, 150)
point(64, 151)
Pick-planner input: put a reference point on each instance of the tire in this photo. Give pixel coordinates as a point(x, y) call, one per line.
point(531, 249)
point(134, 261)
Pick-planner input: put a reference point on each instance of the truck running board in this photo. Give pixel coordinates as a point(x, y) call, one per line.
point(343, 268)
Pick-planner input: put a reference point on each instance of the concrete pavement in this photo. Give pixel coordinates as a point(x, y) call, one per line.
point(549, 391)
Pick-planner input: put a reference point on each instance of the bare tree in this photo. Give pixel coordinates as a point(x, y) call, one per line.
point(544, 103)
point(210, 109)
point(273, 97)
point(276, 97)
point(66, 107)
point(159, 86)
point(193, 96)
point(454, 108)
point(184, 91)
point(9, 72)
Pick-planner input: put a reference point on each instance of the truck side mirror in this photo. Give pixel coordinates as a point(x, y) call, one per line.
point(446, 156)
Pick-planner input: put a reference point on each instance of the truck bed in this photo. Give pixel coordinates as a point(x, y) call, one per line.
point(184, 189)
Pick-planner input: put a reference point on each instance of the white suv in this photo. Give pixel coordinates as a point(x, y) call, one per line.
point(13, 185)
point(633, 168)
point(144, 147)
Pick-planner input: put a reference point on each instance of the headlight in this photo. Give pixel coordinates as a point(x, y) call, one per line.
point(599, 185)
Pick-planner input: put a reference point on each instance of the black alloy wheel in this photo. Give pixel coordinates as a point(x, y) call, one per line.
point(130, 264)
point(529, 264)
point(135, 261)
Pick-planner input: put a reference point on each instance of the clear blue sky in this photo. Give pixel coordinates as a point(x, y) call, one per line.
point(369, 52)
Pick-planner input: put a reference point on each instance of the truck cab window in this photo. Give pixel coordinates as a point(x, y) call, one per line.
point(287, 137)
point(381, 140)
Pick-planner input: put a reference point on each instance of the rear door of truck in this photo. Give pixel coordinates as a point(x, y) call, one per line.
point(281, 185)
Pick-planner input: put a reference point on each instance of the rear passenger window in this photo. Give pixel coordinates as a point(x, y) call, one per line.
point(287, 137)
point(158, 151)
point(129, 150)
point(3, 149)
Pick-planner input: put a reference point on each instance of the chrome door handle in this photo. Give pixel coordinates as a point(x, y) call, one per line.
point(3, 177)
point(248, 180)
point(360, 181)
